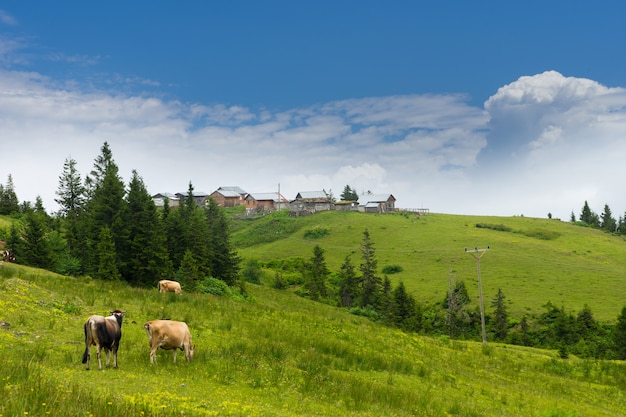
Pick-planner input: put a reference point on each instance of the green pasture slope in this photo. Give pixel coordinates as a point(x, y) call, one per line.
point(532, 260)
point(273, 355)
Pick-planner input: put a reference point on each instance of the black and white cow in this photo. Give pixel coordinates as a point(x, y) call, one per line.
point(103, 332)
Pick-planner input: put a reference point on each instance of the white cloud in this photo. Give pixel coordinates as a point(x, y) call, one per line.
point(553, 143)
point(7, 19)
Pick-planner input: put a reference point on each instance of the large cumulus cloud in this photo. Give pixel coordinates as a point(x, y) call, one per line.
point(544, 143)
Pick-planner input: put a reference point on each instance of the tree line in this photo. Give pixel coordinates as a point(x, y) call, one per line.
point(110, 230)
point(604, 221)
point(363, 291)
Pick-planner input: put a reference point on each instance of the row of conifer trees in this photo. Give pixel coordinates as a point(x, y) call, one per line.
point(110, 230)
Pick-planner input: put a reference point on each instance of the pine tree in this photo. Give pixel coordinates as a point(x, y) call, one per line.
point(33, 247)
point(620, 335)
point(404, 307)
point(189, 274)
point(318, 274)
point(348, 284)
point(608, 223)
point(223, 259)
point(385, 303)
point(501, 316)
point(9, 203)
point(144, 258)
point(586, 215)
point(585, 323)
point(106, 257)
point(103, 208)
point(71, 200)
point(370, 282)
point(455, 302)
point(349, 194)
point(525, 331)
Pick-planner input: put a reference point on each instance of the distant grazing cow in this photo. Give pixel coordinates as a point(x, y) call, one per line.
point(170, 286)
point(103, 332)
point(169, 335)
point(8, 256)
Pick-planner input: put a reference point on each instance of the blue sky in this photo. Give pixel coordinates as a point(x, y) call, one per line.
point(462, 107)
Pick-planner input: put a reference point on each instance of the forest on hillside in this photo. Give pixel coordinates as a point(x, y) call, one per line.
point(113, 231)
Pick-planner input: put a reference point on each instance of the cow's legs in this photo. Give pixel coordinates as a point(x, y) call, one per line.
point(153, 354)
point(108, 353)
point(87, 355)
point(115, 357)
point(99, 349)
point(175, 352)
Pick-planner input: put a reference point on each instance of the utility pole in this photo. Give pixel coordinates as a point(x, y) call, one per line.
point(477, 254)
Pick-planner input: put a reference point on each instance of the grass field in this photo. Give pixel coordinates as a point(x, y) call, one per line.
point(273, 355)
point(532, 260)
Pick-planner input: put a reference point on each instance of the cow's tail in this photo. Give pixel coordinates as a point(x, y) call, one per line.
point(86, 354)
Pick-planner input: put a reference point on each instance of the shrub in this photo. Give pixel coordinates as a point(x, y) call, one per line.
point(497, 227)
point(316, 233)
point(392, 269)
point(214, 286)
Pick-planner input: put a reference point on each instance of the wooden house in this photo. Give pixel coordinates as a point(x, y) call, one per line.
point(256, 202)
point(308, 202)
point(229, 196)
point(377, 203)
point(159, 199)
point(200, 198)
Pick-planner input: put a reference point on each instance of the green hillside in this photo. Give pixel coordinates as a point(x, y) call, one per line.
point(533, 261)
point(275, 355)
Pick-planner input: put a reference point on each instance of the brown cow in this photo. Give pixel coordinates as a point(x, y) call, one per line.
point(170, 286)
point(103, 332)
point(169, 335)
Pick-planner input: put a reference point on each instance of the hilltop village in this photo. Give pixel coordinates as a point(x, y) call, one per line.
point(305, 202)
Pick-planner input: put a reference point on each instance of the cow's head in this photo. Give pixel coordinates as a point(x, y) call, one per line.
point(118, 314)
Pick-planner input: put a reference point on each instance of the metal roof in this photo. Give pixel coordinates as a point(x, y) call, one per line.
point(375, 198)
point(236, 189)
point(228, 193)
point(312, 195)
point(264, 196)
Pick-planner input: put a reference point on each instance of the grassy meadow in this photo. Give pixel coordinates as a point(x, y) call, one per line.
point(273, 355)
point(533, 261)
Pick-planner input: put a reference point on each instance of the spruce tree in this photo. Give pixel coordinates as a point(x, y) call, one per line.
point(585, 323)
point(9, 203)
point(348, 284)
point(103, 208)
point(349, 194)
point(455, 302)
point(188, 273)
point(106, 257)
point(317, 274)
point(370, 282)
point(33, 247)
point(143, 258)
point(620, 335)
point(223, 259)
point(586, 215)
point(404, 307)
point(501, 316)
point(71, 199)
point(608, 223)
